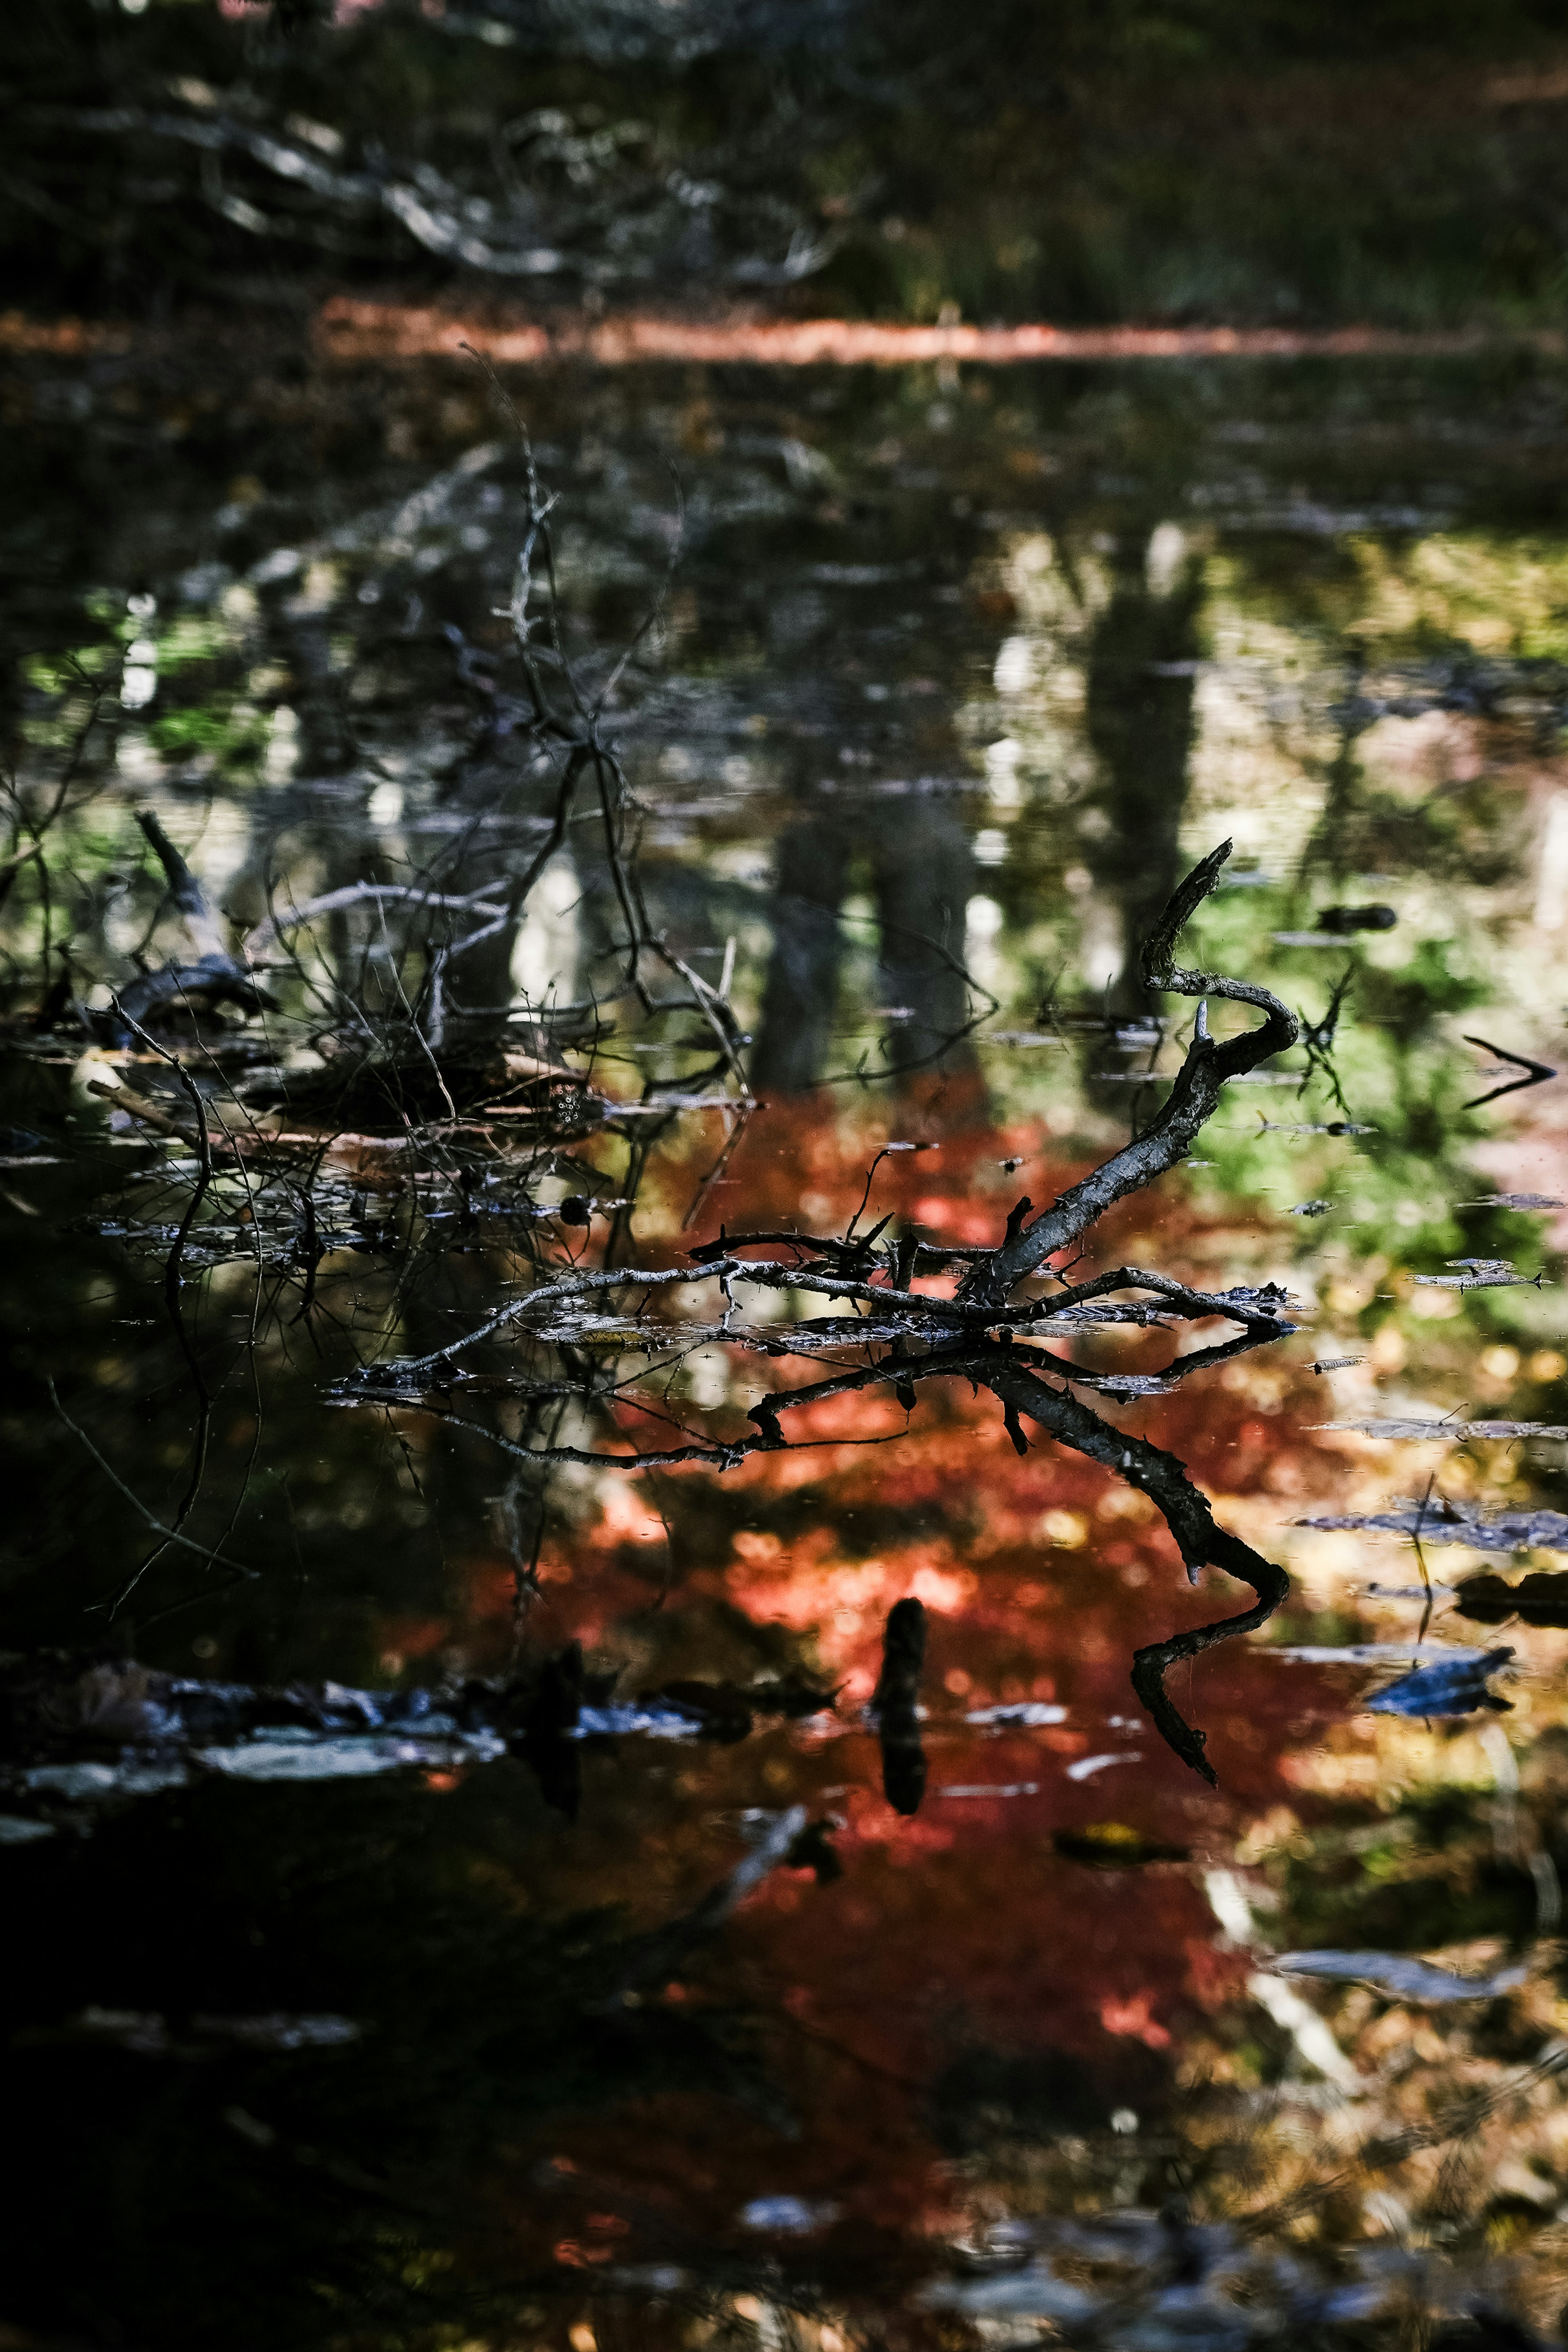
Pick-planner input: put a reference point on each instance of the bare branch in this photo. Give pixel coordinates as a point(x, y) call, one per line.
point(1193, 1099)
point(1186, 1513)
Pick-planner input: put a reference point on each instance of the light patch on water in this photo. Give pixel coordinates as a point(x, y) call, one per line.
point(1166, 556)
point(981, 930)
point(796, 2216)
point(282, 745)
point(1025, 1712)
point(1014, 670)
point(1552, 874)
point(348, 1758)
point(1002, 784)
point(15, 1829)
point(1306, 2028)
point(1011, 1789)
point(546, 956)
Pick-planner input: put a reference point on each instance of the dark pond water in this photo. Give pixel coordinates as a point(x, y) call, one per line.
point(467, 1893)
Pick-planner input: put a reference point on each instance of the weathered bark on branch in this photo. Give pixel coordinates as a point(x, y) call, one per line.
point(1186, 1513)
point(1193, 1100)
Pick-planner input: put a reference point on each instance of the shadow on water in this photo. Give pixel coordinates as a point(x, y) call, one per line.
point(626, 1301)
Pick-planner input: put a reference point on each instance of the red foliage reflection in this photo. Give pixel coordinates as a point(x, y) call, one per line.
point(963, 1930)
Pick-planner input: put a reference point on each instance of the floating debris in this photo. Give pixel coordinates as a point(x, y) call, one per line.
point(1449, 1431)
point(1031, 2292)
point(1011, 1789)
point(1369, 1654)
point(1260, 1298)
point(164, 1730)
point(1026, 1713)
point(1119, 1384)
point(81, 1783)
point(1113, 1845)
point(1444, 1521)
point(787, 2216)
point(1392, 1972)
point(1309, 1126)
point(1160, 2281)
point(308, 1759)
point(1429, 1591)
point(1459, 1686)
point(1088, 1766)
point(151, 2035)
point(630, 1721)
point(1480, 1273)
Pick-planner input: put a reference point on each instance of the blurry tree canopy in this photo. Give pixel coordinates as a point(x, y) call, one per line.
point(1285, 161)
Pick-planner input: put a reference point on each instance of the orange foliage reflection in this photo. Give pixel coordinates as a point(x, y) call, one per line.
point(347, 329)
point(965, 1929)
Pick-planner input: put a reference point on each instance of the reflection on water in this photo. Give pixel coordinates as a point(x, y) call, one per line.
point(479, 1902)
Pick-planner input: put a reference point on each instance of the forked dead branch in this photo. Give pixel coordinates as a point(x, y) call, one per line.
point(895, 1337)
point(385, 1123)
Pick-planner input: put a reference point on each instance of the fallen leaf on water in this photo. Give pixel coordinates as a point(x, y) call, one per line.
point(1514, 1201)
point(1456, 1687)
point(1371, 1653)
point(1449, 1431)
point(1393, 1972)
point(1086, 1766)
point(1444, 1521)
point(1113, 1845)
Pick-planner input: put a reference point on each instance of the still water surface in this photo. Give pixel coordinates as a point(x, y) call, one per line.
point(680, 2007)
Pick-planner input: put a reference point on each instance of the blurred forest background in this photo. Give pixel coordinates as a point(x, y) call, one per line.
point(1400, 163)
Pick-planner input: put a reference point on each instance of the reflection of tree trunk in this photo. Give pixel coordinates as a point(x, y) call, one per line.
point(1332, 849)
point(325, 743)
point(922, 870)
point(925, 874)
point(506, 801)
point(361, 946)
point(896, 1704)
point(504, 808)
point(1140, 723)
point(801, 992)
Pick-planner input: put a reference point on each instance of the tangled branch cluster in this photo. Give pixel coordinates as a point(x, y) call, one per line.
point(450, 1116)
point(896, 1336)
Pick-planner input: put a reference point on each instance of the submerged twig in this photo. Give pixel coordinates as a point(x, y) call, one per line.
point(1535, 1073)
